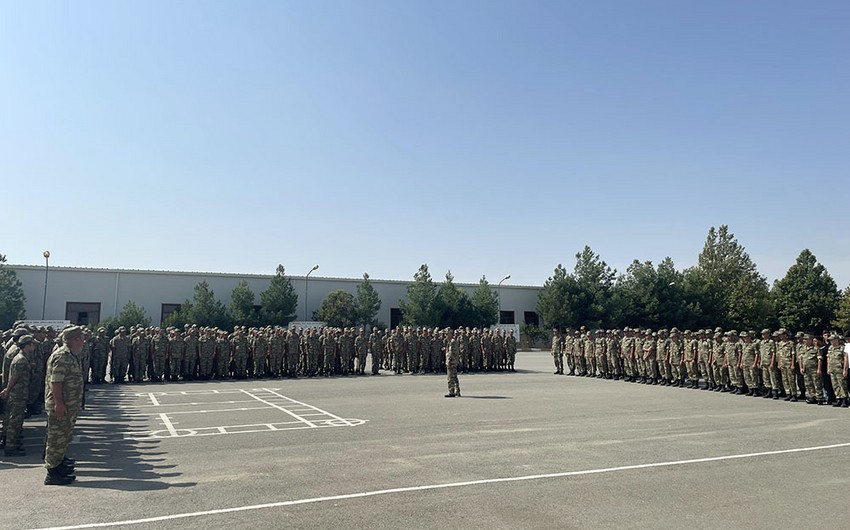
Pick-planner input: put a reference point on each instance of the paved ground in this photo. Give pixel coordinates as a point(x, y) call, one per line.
point(523, 450)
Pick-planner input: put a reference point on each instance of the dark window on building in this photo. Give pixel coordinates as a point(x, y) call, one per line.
point(395, 317)
point(82, 313)
point(167, 309)
point(506, 317)
point(531, 319)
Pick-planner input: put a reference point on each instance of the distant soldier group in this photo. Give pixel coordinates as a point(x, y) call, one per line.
point(769, 364)
point(199, 353)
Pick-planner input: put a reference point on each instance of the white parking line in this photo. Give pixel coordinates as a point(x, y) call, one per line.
point(278, 407)
point(153, 399)
point(334, 416)
point(374, 493)
point(168, 424)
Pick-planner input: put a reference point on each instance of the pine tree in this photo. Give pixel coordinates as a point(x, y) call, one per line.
point(367, 303)
point(421, 294)
point(279, 301)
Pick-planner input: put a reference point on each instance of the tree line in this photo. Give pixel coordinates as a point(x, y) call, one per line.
point(723, 289)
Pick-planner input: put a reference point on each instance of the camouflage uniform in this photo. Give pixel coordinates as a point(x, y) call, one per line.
point(119, 348)
point(15, 407)
point(452, 360)
point(63, 367)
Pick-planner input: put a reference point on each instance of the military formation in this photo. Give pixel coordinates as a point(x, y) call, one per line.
point(153, 354)
point(46, 371)
point(770, 364)
point(43, 370)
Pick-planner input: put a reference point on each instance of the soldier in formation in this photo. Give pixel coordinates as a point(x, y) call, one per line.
point(769, 364)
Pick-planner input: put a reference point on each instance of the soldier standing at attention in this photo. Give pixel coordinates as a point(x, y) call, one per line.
point(63, 399)
point(786, 353)
point(452, 360)
point(99, 351)
point(557, 354)
point(811, 368)
point(16, 394)
point(836, 362)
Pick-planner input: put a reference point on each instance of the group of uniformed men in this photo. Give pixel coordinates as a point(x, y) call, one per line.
point(159, 354)
point(43, 368)
point(769, 364)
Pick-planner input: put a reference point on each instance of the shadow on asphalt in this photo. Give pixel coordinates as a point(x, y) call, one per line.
point(109, 459)
point(485, 397)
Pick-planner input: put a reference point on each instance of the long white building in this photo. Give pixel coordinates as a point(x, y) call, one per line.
point(85, 296)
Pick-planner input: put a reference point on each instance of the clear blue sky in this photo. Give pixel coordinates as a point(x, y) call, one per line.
point(484, 137)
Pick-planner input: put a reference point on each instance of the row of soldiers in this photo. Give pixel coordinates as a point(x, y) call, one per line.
point(199, 353)
point(769, 364)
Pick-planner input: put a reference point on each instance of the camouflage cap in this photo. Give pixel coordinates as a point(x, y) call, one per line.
point(782, 331)
point(835, 336)
point(799, 335)
point(765, 330)
point(24, 340)
point(744, 334)
point(71, 332)
point(19, 332)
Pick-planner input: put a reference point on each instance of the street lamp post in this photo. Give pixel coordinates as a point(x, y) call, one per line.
point(306, 290)
point(499, 287)
point(46, 255)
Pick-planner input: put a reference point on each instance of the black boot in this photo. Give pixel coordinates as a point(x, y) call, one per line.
point(776, 394)
point(57, 478)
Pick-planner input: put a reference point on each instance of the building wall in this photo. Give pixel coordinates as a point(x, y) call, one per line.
point(113, 288)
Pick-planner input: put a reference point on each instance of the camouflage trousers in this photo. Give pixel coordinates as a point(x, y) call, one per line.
point(692, 370)
point(13, 422)
point(770, 377)
point(789, 379)
point(721, 376)
point(602, 363)
point(175, 364)
point(813, 382)
point(59, 433)
point(839, 384)
point(677, 370)
point(119, 366)
point(98, 366)
point(571, 362)
point(376, 362)
point(705, 370)
point(559, 362)
point(206, 364)
point(751, 376)
point(454, 384)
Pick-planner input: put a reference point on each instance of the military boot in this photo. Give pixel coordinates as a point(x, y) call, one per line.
point(56, 478)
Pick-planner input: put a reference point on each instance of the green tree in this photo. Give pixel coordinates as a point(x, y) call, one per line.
point(12, 298)
point(279, 301)
point(556, 299)
point(338, 309)
point(727, 286)
point(594, 279)
point(485, 302)
point(204, 310)
point(242, 308)
point(452, 307)
point(421, 294)
point(131, 315)
point(842, 315)
point(368, 303)
point(807, 297)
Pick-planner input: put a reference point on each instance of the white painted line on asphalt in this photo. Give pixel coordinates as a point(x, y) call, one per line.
point(278, 407)
point(334, 416)
point(168, 424)
point(153, 399)
point(408, 489)
point(201, 411)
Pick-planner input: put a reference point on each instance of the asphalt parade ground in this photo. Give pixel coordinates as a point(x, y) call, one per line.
point(517, 451)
